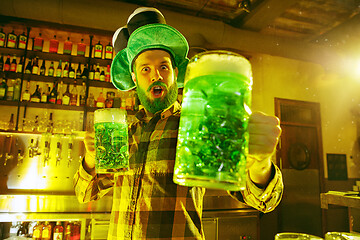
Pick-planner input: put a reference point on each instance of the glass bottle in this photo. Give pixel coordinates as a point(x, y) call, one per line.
point(2, 38)
point(38, 43)
point(58, 231)
point(71, 71)
point(97, 73)
point(35, 67)
point(51, 69)
point(37, 232)
point(59, 93)
point(109, 99)
point(82, 97)
point(107, 74)
point(10, 90)
point(85, 72)
point(20, 65)
point(13, 64)
point(109, 51)
point(3, 89)
point(91, 100)
point(76, 231)
point(53, 93)
point(7, 64)
point(66, 96)
point(78, 71)
point(11, 40)
point(1, 63)
point(91, 73)
point(129, 100)
point(22, 41)
point(17, 88)
point(81, 48)
point(102, 75)
point(73, 95)
point(66, 70)
point(100, 101)
point(54, 45)
point(42, 68)
point(68, 231)
point(98, 50)
point(46, 231)
point(59, 69)
point(36, 96)
point(26, 94)
point(11, 125)
point(28, 68)
point(67, 46)
point(45, 94)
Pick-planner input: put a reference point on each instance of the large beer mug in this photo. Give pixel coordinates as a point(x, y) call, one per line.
point(111, 140)
point(213, 136)
point(296, 236)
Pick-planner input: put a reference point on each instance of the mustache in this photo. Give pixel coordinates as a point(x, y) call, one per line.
point(158, 83)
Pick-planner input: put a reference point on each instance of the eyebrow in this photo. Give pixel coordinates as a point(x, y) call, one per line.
point(145, 64)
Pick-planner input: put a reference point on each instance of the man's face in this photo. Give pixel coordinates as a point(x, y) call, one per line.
point(155, 79)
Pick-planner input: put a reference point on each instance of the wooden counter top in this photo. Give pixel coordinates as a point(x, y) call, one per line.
point(346, 199)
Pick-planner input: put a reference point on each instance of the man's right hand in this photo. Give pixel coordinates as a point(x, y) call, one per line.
point(89, 163)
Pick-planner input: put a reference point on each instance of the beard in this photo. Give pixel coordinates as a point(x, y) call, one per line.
point(158, 104)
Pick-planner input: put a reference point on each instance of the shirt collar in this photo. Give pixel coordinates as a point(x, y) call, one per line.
point(145, 116)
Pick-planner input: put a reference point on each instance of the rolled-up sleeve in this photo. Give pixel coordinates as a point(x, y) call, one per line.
point(262, 199)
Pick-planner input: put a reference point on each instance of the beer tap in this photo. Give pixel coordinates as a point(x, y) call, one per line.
point(33, 148)
point(20, 157)
point(58, 153)
point(8, 155)
point(70, 149)
point(46, 152)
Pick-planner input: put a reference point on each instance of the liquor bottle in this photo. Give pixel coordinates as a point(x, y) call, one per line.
point(66, 70)
point(3, 89)
point(28, 68)
point(11, 125)
point(107, 74)
point(26, 94)
point(22, 41)
point(59, 69)
point(35, 67)
point(1, 63)
point(54, 45)
point(67, 46)
point(20, 65)
point(13, 64)
point(37, 231)
point(23, 229)
point(85, 72)
point(78, 71)
point(59, 93)
point(73, 95)
point(109, 102)
point(50, 128)
point(97, 73)
point(42, 68)
point(17, 89)
point(136, 102)
point(76, 231)
point(10, 90)
point(66, 96)
point(71, 71)
point(91, 73)
point(46, 231)
point(7, 64)
point(109, 51)
point(98, 50)
point(100, 101)
point(91, 100)
point(36, 96)
point(53, 94)
point(2, 38)
point(82, 97)
point(11, 40)
point(45, 94)
point(102, 75)
point(38, 43)
point(68, 231)
point(51, 69)
point(58, 231)
point(129, 101)
point(81, 48)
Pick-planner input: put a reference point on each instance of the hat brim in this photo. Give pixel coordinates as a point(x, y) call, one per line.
point(148, 37)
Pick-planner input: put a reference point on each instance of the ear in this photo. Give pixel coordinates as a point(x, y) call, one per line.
point(176, 71)
point(133, 76)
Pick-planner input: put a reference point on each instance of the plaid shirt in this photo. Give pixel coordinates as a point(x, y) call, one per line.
point(147, 204)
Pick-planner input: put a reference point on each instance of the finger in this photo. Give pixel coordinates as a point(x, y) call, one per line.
point(259, 117)
point(264, 128)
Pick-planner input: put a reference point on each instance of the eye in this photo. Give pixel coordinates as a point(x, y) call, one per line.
point(164, 67)
point(145, 69)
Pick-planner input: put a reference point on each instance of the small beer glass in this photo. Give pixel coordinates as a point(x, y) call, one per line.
point(213, 136)
point(111, 140)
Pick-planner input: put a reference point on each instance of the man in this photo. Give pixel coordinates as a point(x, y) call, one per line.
point(147, 204)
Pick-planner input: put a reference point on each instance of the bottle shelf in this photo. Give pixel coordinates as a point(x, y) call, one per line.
point(42, 78)
point(100, 84)
point(11, 51)
point(51, 106)
point(8, 103)
point(102, 62)
point(56, 57)
point(11, 75)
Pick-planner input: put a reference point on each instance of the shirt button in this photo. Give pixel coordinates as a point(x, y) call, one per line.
point(127, 235)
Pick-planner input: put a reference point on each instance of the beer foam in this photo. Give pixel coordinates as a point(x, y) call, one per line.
point(115, 115)
point(211, 63)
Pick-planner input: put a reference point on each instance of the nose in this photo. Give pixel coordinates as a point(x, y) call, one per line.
point(156, 76)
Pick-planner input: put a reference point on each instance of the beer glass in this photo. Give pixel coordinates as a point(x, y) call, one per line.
point(111, 140)
point(213, 136)
point(296, 236)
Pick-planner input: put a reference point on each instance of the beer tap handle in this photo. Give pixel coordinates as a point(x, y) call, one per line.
point(20, 156)
point(8, 155)
point(58, 153)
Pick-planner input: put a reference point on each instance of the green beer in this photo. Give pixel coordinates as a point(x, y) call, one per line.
point(111, 141)
point(213, 136)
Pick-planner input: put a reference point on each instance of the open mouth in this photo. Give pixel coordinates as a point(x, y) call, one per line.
point(157, 91)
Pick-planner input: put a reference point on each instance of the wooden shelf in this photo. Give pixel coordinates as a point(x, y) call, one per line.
point(101, 84)
point(345, 199)
point(51, 106)
point(56, 57)
point(41, 78)
point(8, 103)
point(11, 51)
